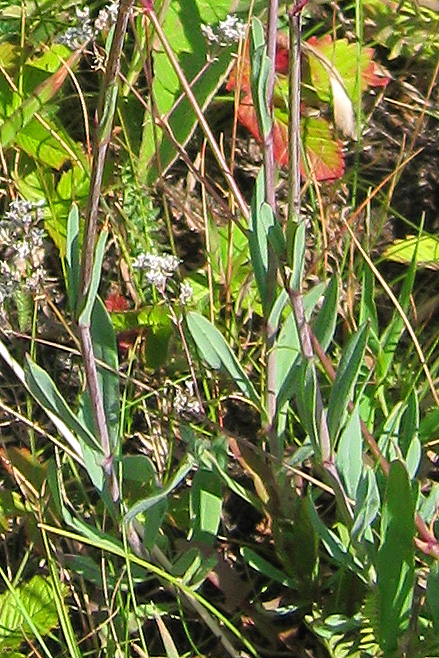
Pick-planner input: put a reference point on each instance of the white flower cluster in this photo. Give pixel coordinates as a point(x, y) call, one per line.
point(227, 32)
point(186, 293)
point(75, 36)
point(186, 402)
point(22, 249)
point(158, 269)
point(107, 16)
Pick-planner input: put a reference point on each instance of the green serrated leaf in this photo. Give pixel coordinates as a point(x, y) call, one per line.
point(37, 598)
point(14, 123)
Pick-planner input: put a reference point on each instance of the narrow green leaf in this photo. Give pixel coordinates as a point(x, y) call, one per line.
point(345, 380)
point(85, 313)
point(260, 221)
point(72, 256)
point(409, 442)
point(185, 467)
point(264, 567)
point(395, 560)
point(367, 505)
point(105, 350)
point(205, 505)
point(368, 311)
point(432, 594)
point(48, 396)
point(260, 71)
point(332, 543)
point(349, 454)
point(396, 326)
point(326, 320)
point(306, 392)
point(298, 259)
point(217, 353)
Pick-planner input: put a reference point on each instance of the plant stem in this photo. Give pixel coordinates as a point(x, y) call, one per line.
point(296, 248)
point(270, 198)
point(104, 124)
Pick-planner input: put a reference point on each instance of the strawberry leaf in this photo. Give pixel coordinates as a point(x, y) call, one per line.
point(324, 153)
point(326, 55)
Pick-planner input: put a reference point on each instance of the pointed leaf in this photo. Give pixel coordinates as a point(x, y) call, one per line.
point(185, 467)
point(345, 380)
point(396, 559)
point(85, 315)
point(217, 353)
point(349, 455)
point(367, 505)
point(326, 320)
point(46, 393)
point(72, 256)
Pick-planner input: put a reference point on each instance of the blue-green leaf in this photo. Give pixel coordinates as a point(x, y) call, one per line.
point(326, 320)
point(217, 353)
point(43, 388)
point(85, 313)
point(396, 559)
point(347, 374)
point(349, 456)
point(72, 256)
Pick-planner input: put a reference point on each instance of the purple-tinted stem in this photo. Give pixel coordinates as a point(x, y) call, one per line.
point(147, 4)
point(270, 198)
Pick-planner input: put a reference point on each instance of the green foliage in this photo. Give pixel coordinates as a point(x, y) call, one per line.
point(25, 612)
point(413, 28)
point(261, 448)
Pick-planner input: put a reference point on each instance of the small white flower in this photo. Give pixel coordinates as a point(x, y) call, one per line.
point(36, 279)
point(22, 249)
point(36, 236)
point(208, 33)
point(227, 32)
point(106, 17)
point(158, 269)
point(74, 37)
point(186, 293)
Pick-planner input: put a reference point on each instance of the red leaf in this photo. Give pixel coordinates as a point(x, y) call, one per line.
point(115, 301)
point(281, 65)
point(324, 152)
